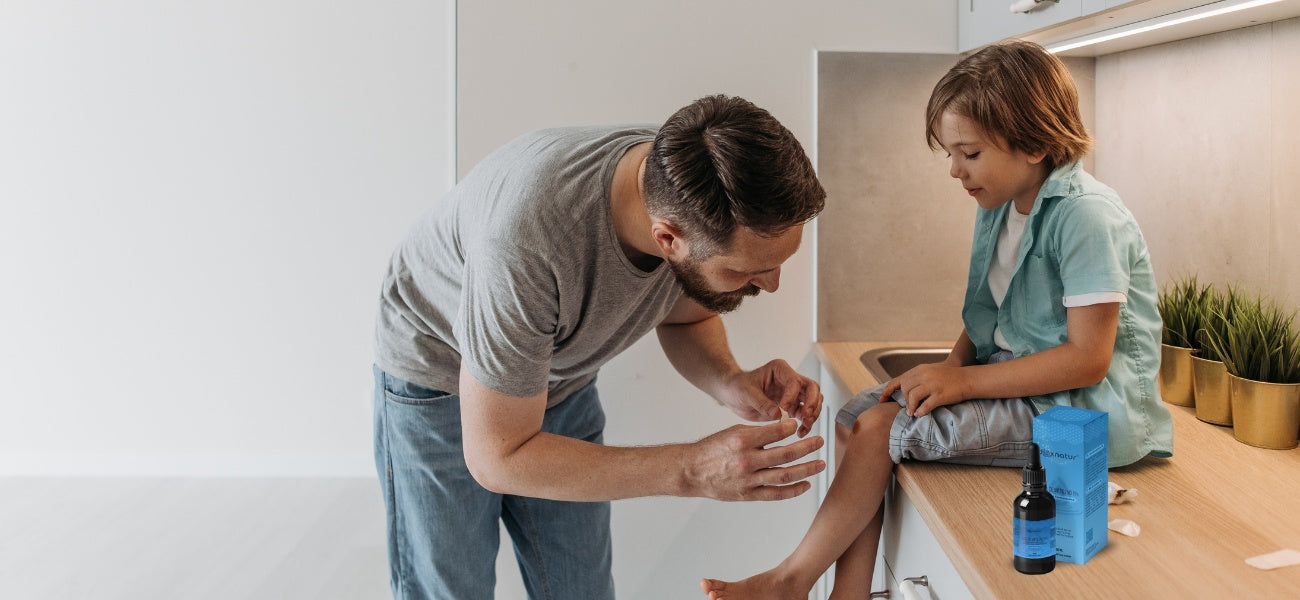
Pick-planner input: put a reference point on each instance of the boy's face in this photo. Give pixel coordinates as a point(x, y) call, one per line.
point(990, 172)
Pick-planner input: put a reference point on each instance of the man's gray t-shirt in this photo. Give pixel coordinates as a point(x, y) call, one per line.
point(518, 273)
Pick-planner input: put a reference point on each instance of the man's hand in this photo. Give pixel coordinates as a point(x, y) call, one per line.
point(762, 395)
point(927, 387)
point(735, 464)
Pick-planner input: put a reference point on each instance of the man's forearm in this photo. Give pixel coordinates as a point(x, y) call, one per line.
point(507, 452)
point(562, 468)
point(699, 352)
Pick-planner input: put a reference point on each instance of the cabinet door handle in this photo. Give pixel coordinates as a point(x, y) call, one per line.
point(909, 591)
point(1024, 6)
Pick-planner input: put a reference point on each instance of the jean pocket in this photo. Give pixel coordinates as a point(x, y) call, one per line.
point(405, 392)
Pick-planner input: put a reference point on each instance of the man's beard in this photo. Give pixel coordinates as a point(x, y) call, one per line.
point(696, 287)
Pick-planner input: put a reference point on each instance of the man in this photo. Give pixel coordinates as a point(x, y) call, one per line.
point(554, 254)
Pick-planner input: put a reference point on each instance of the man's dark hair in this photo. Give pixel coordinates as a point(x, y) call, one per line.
point(722, 163)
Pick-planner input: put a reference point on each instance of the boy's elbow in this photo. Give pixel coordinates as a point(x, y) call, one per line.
point(1097, 371)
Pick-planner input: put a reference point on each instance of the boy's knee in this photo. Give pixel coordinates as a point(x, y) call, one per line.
point(843, 434)
point(876, 421)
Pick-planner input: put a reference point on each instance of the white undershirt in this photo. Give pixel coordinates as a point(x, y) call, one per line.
point(1005, 254)
point(1004, 265)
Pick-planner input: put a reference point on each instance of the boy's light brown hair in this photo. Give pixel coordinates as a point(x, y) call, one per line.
point(1018, 92)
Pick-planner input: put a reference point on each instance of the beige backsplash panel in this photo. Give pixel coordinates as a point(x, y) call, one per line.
point(1201, 137)
point(894, 240)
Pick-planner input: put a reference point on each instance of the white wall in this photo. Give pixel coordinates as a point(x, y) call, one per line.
point(197, 200)
point(524, 65)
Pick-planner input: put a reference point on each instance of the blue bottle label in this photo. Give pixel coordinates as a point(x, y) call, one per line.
point(1034, 539)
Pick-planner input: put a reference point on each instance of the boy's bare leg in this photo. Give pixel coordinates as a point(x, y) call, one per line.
point(842, 519)
point(855, 568)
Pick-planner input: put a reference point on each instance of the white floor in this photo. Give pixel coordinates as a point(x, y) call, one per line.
point(141, 539)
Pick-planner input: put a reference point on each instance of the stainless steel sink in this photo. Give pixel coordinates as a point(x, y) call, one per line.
point(887, 363)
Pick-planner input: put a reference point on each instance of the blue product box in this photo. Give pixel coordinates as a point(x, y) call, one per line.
point(1072, 446)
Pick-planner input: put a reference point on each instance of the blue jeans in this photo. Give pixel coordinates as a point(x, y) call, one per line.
point(443, 530)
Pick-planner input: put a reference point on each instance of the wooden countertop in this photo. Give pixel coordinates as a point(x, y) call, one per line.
point(1202, 513)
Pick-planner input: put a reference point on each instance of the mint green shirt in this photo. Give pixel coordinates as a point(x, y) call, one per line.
point(1080, 239)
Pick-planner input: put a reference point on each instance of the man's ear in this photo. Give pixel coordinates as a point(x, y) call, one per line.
point(1036, 157)
point(669, 239)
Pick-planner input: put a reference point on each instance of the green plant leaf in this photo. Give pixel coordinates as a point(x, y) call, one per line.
point(1180, 311)
point(1259, 342)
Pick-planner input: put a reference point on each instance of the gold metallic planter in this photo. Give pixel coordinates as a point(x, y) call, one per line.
point(1176, 375)
point(1266, 415)
point(1211, 391)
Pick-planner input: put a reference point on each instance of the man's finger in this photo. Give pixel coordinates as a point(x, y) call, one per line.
point(789, 401)
point(792, 473)
point(810, 413)
point(762, 435)
point(810, 408)
point(780, 455)
point(811, 399)
point(778, 492)
point(766, 410)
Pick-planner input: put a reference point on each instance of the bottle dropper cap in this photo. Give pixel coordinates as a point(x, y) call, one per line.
point(1034, 477)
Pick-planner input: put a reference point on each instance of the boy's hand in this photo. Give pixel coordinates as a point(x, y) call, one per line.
point(764, 393)
point(927, 387)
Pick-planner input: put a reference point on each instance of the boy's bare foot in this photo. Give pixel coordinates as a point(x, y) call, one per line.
point(764, 586)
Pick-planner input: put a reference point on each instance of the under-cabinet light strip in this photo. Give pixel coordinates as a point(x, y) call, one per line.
point(1178, 18)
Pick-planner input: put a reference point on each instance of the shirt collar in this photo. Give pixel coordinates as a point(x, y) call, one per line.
point(1061, 182)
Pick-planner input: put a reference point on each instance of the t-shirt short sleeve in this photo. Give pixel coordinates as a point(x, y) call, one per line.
point(507, 318)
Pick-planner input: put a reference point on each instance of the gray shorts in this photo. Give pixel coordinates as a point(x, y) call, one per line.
point(990, 432)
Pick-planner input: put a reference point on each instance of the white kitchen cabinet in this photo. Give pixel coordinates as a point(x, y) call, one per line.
point(1092, 6)
point(981, 22)
point(907, 547)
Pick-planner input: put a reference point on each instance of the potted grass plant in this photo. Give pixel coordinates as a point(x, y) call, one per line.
point(1210, 389)
point(1178, 303)
point(1261, 350)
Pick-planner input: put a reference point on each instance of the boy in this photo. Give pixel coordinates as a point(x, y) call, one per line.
point(1060, 309)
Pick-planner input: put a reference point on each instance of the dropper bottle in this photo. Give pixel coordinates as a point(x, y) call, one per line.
point(1034, 537)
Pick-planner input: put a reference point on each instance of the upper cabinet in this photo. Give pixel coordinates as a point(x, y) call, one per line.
point(980, 22)
point(1092, 6)
point(1125, 24)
